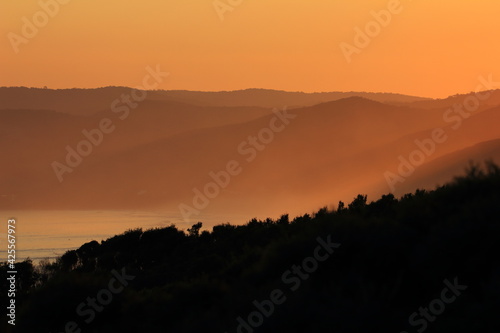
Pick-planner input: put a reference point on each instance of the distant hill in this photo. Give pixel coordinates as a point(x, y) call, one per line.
point(277, 98)
point(492, 100)
point(441, 170)
point(90, 101)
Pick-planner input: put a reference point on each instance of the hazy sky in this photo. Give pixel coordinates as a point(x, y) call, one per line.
point(429, 48)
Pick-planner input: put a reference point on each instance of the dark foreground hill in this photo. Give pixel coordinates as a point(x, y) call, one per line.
point(425, 262)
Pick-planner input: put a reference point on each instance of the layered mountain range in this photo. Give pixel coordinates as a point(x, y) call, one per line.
point(244, 152)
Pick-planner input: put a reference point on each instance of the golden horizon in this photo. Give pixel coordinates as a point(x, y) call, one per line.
point(390, 46)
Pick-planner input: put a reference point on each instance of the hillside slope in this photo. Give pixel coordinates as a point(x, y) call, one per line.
point(365, 267)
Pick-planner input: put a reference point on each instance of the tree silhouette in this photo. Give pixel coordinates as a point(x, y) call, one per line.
point(194, 231)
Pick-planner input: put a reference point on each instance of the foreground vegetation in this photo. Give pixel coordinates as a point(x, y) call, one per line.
point(390, 259)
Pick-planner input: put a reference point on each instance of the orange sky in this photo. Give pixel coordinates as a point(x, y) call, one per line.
point(430, 48)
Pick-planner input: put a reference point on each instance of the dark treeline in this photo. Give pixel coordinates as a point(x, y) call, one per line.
point(390, 262)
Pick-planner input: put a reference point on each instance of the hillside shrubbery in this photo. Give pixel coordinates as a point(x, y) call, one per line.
point(393, 258)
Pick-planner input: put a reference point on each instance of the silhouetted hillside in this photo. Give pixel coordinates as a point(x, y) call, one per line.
point(426, 261)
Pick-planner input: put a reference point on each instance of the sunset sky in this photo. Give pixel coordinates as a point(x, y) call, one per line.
point(430, 48)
